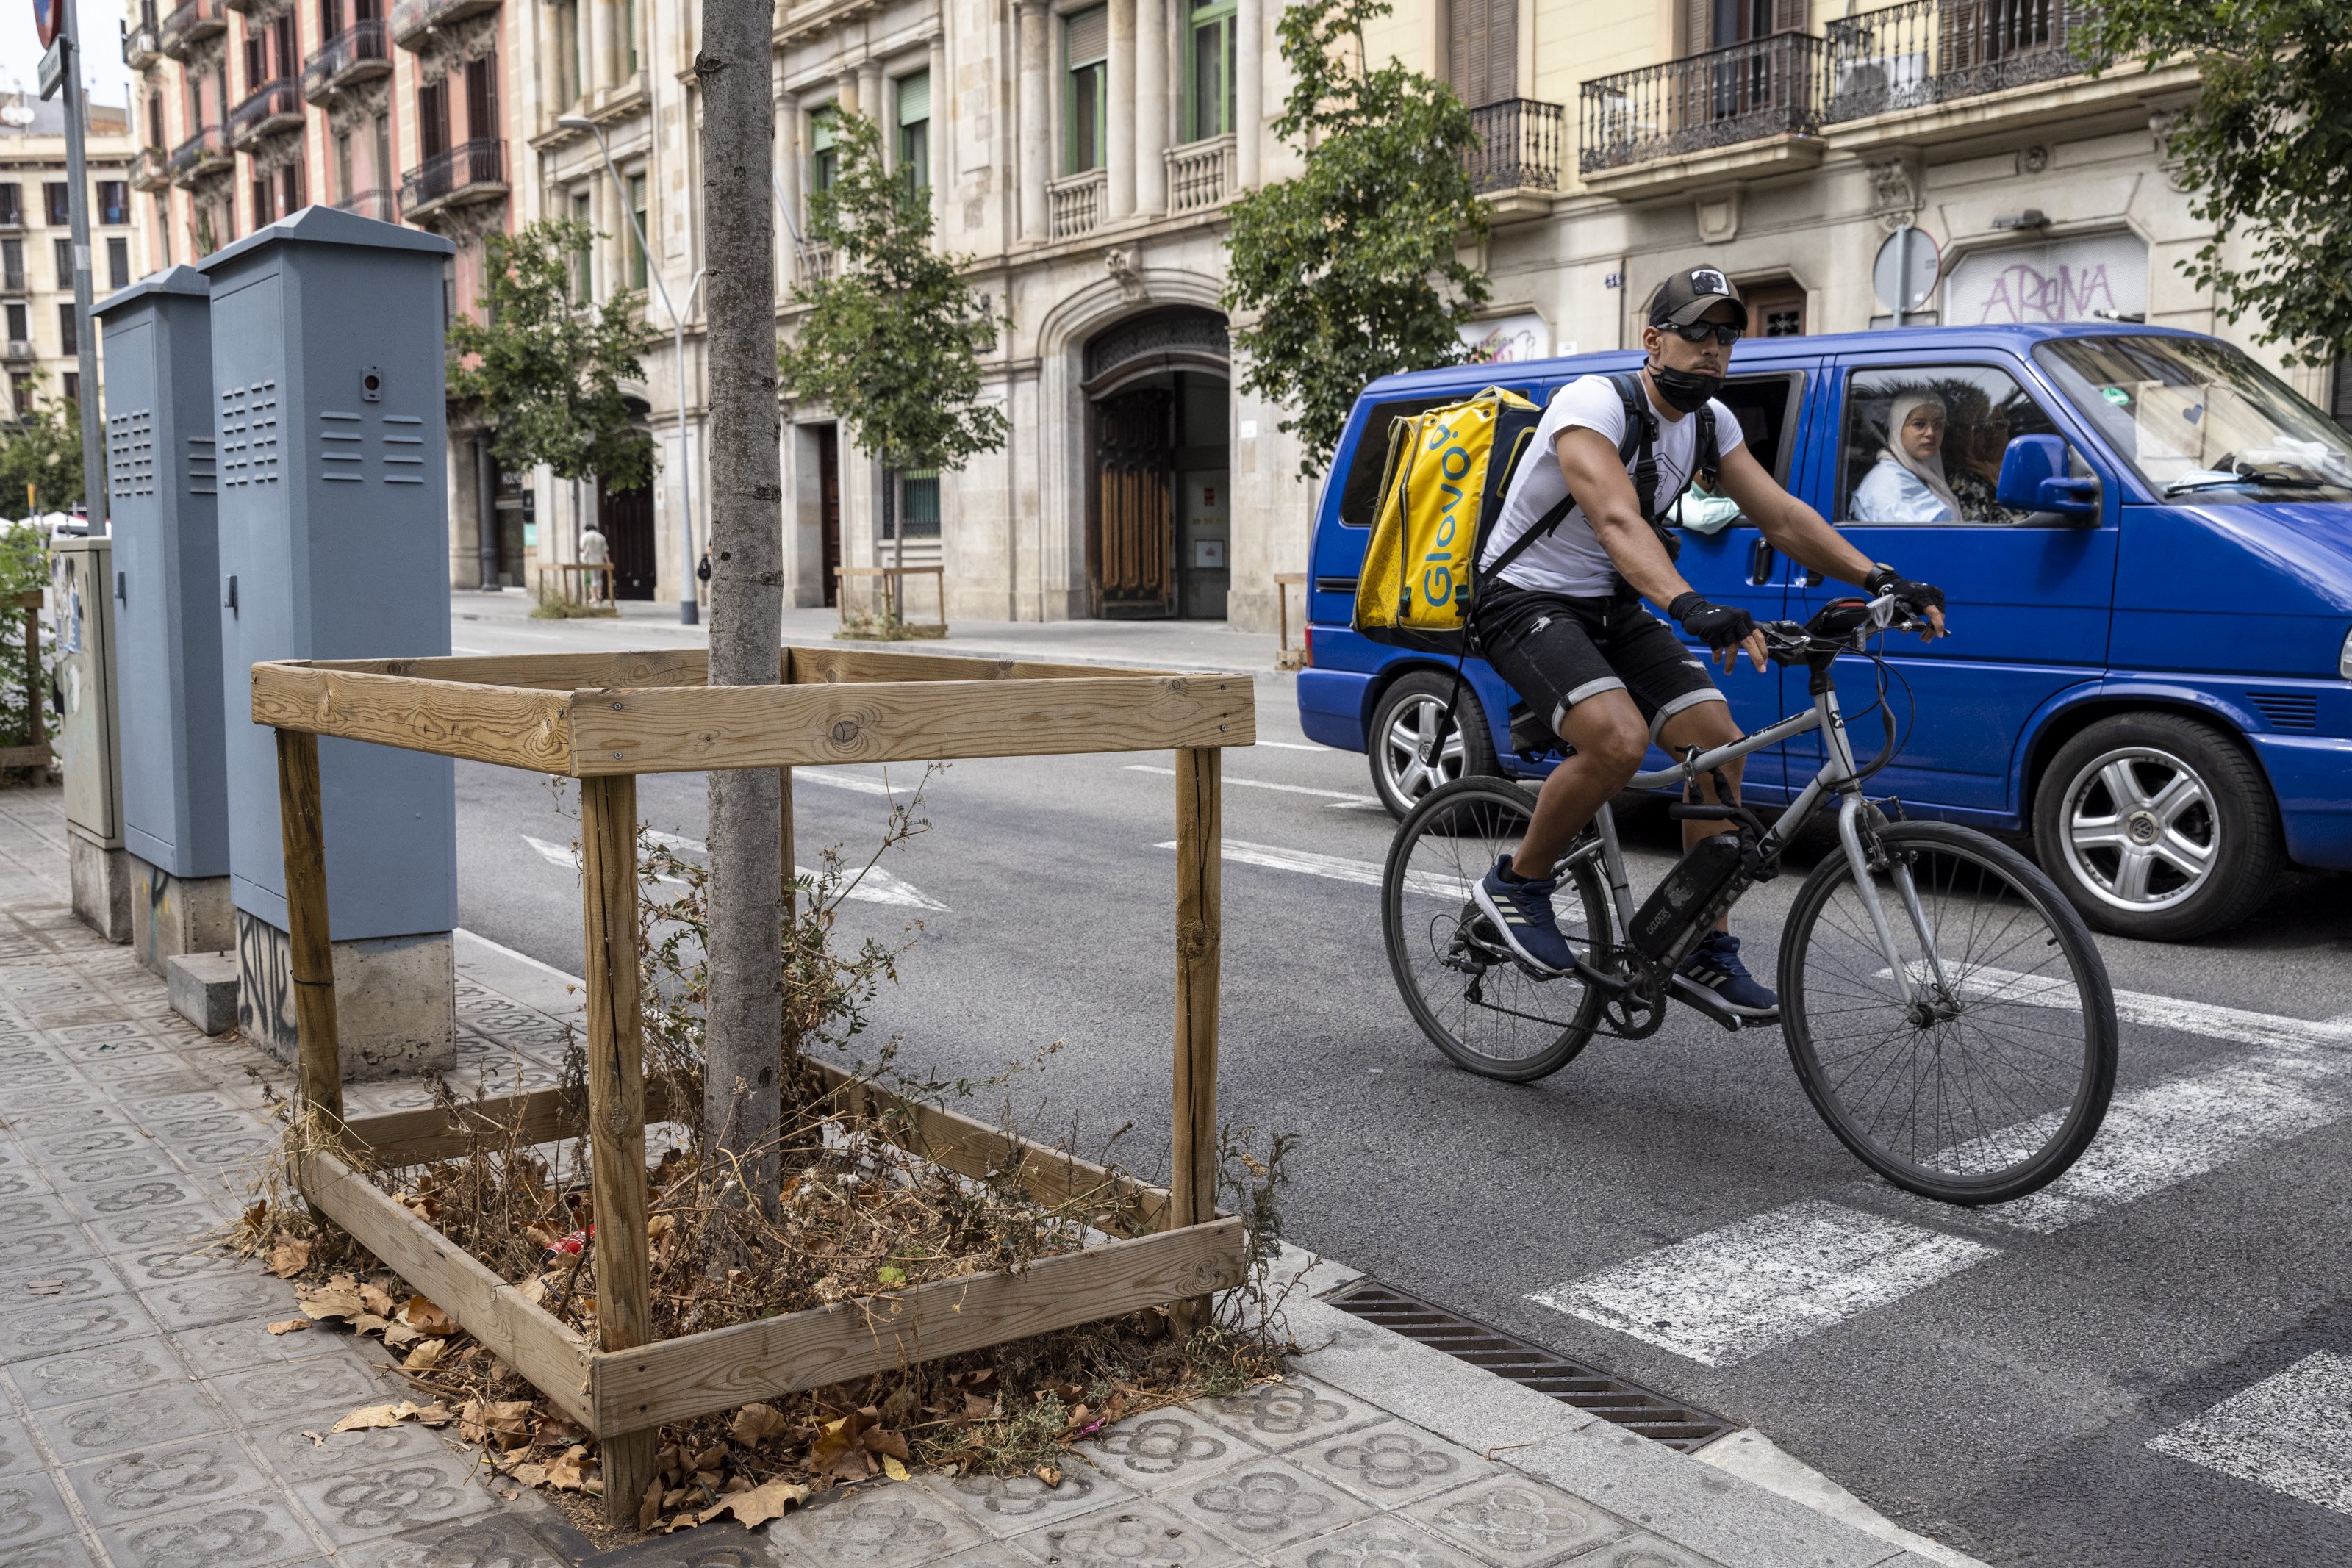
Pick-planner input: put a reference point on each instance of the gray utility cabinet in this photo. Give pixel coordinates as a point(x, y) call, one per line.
point(329, 413)
point(161, 493)
point(89, 747)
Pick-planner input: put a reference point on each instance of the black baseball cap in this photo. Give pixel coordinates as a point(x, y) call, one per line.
point(1687, 294)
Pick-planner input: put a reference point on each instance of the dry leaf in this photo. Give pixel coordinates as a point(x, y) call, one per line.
point(369, 1417)
point(427, 1319)
point(529, 1475)
point(711, 1457)
point(833, 1440)
point(893, 1468)
point(289, 1259)
point(755, 1424)
point(557, 1430)
point(369, 1322)
point(879, 1441)
point(564, 1474)
point(505, 1420)
point(649, 1510)
point(378, 1301)
point(316, 1440)
point(534, 1290)
point(1051, 1475)
point(758, 1505)
point(435, 1415)
point(399, 1336)
point(289, 1325)
point(424, 1356)
point(975, 1408)
point(336, 1299)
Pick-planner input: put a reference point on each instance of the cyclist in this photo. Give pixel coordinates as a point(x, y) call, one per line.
point(1562, 619)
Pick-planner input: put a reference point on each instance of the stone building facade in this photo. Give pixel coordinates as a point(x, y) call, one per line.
point(36, 299)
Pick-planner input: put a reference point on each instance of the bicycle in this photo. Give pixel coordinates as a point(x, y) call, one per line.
point(1962, 1046)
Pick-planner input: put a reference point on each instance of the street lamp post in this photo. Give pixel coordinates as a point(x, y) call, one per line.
point(687, 611)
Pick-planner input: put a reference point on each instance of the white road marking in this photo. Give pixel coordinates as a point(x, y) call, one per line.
point(1367, 873)
point(2149, 1010)
point(2292, 1432)
point(1349, 802)
point(876, 886)
point(1727, 1295)
point(477, 652)
point(554, 855)
point(1295, 745)
point(857, 781)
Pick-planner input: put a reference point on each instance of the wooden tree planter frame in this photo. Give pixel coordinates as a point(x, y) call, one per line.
point(605, 719)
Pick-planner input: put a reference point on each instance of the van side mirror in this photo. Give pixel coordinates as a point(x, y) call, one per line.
point(2034, 478)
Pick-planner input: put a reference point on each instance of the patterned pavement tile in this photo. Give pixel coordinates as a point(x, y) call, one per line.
point(19, 1179)
point(57, 1552)
point(1644, 1551)
point(149, 1229)
point(154, 1107)
point(710, 1547)
point(130, 1165)
point(237, 1533)
point(42, 1247)
point(992, 1554)
point(82, 1374)
point(31, 1510)
point(1264, 1504)
point(334, 1384)
point(34, 1211)
point(885, 1527)
point(86, 1131)
point(1514, 1522)
point(1165, 1448)
point(1384, 1540)
point(1391, 1464)
point(500, 1540)
point(103, 1427)
point(164, 1476)
point(219, 1349)
point(59, 1282)
point(193, 1303)
point(1139, 1535)
point(308, 1449)
point(1013, 1505)
point(16, 1451)
point(398, 1495)
point(175, 1265)
point(130, 1197)
point(55, 1326)
point(1283, 1416)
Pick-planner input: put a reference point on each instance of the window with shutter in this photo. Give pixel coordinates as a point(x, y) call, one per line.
point(1484, 50)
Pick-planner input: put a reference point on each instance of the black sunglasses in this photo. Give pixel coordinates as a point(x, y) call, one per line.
point(1699, 331)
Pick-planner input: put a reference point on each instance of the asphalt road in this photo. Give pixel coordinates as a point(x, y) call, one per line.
point(1995, 1386)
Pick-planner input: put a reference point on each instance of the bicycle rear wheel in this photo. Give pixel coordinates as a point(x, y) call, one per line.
point(1469, 996)
point(1982, 1091)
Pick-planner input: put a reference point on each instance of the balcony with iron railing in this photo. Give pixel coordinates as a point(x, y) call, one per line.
point(1923, 53)
point(272, 107)
point(380, 204)
point(150, 169)
point(412, 19)
point(1519, 146)
point(204, 153)
point(1747, 92)
point(1200, 175)
point(1074, 202)
point(143, 40)
point(20, 350)
point(470, 171)
point(357, 54)
point(191, 22)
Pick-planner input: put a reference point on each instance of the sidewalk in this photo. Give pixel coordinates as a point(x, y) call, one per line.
point(1204, 645)
point(150, 1421)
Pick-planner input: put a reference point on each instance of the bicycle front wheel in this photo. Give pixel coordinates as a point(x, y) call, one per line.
point(1469, 996)
point(1984, 1085)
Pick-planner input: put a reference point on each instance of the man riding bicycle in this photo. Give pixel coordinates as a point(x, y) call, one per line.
point(1562, 619)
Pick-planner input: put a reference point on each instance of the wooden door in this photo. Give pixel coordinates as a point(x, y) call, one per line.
point(1135, 544)
point(626, 520)
point(828, 489)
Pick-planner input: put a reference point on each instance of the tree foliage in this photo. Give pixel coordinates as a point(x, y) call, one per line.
point(1353, 266)
point(24, 569)
point(2267, 149)
point(545, 367)
point(893, 337)
point(42, 451)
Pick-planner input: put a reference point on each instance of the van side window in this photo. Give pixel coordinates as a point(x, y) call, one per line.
point(1360, 498)
point(1924, 443)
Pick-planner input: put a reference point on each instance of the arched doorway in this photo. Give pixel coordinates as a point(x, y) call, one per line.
point(1159, 490)
point(626, 518)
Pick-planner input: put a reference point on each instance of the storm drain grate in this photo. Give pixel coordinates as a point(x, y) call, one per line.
point(1629, 1405)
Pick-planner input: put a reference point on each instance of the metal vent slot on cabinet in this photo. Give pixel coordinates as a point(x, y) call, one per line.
point(2287, 710)
point(131, 452)
point(1628, 1405)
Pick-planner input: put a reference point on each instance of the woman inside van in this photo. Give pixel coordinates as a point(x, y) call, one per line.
point(1906, 484)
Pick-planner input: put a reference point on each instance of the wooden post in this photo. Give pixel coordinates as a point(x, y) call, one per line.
point(302, 831)
point(785, 810)
point(35, 716)
point(1199, 845)
point(617, 1103)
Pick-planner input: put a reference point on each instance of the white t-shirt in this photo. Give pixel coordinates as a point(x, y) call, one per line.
point(1570, 559)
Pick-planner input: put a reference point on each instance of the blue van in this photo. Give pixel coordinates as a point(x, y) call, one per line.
point(2147, 542)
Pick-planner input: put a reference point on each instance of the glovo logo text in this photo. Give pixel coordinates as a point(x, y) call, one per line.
point(1454, 465)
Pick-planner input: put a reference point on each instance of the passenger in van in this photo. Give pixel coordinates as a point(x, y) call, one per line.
point(1906, 484)
point(1574, 552)
point(1975, 445)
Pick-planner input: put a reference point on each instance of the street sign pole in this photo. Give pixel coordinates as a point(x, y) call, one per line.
point(93, 442)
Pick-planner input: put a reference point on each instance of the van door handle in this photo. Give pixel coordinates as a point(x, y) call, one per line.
point(1760, 564)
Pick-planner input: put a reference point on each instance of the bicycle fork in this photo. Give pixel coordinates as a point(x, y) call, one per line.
point(1924, 1010)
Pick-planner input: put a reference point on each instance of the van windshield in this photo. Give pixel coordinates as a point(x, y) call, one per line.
point(2193, 414)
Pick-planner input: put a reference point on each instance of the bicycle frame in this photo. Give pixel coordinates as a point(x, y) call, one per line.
point(1839, 775)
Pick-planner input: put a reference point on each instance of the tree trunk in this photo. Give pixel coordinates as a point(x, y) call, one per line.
point(744, 1041)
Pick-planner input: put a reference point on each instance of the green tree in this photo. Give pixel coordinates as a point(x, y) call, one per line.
point(890, 299)
point(40, 458)
point(1353, 268)
point(545, 367)
point(24, 569)
point(2267, 148)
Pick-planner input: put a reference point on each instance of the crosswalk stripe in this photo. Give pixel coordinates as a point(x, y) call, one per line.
point(2152, 1012)
point(1732, 1294)
point(875, 886)
point(1336, 868)
point(1346, 799)
point(2292, 1432)
point(855, 781)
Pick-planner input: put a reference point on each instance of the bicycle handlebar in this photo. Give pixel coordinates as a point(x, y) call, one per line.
point(1838, 627)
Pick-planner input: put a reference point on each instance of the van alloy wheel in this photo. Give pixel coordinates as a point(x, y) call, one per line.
point(2142, 833)
point(1398, 731)
point(1411, 725)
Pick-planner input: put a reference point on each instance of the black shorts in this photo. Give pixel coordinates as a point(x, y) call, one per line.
point(1555, 652)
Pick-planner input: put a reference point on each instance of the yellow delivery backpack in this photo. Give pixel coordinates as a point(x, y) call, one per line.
point(1440, 492)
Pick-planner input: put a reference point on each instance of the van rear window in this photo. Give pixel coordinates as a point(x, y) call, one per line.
point(1359, 494)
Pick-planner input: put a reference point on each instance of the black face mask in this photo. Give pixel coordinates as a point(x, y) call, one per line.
point(1686, 391)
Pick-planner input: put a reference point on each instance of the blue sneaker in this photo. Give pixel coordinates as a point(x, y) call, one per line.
point(1715, 964)
point(1521, 912)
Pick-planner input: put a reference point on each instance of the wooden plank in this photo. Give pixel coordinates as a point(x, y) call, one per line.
point(440, 1133)
point(906, 721)
point(510, 725)
point(547, 672)
point(1200, 851)
point(303, 835)
point(36, 756)
point(827, 666)
point(527, 1338)
point(616, 1129)
point(722, 1368)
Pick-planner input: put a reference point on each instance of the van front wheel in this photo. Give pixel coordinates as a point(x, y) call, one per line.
point(2158, 827)
point(1405, 721)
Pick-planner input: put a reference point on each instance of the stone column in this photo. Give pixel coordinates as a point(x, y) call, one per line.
point(1150, 106)
point(1119, 141)
point(1249, 87)
point(1036, 128)
point(788, 174)
point(874, 102)
point(599, 72)
point(940, 100)
point(844, 91)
